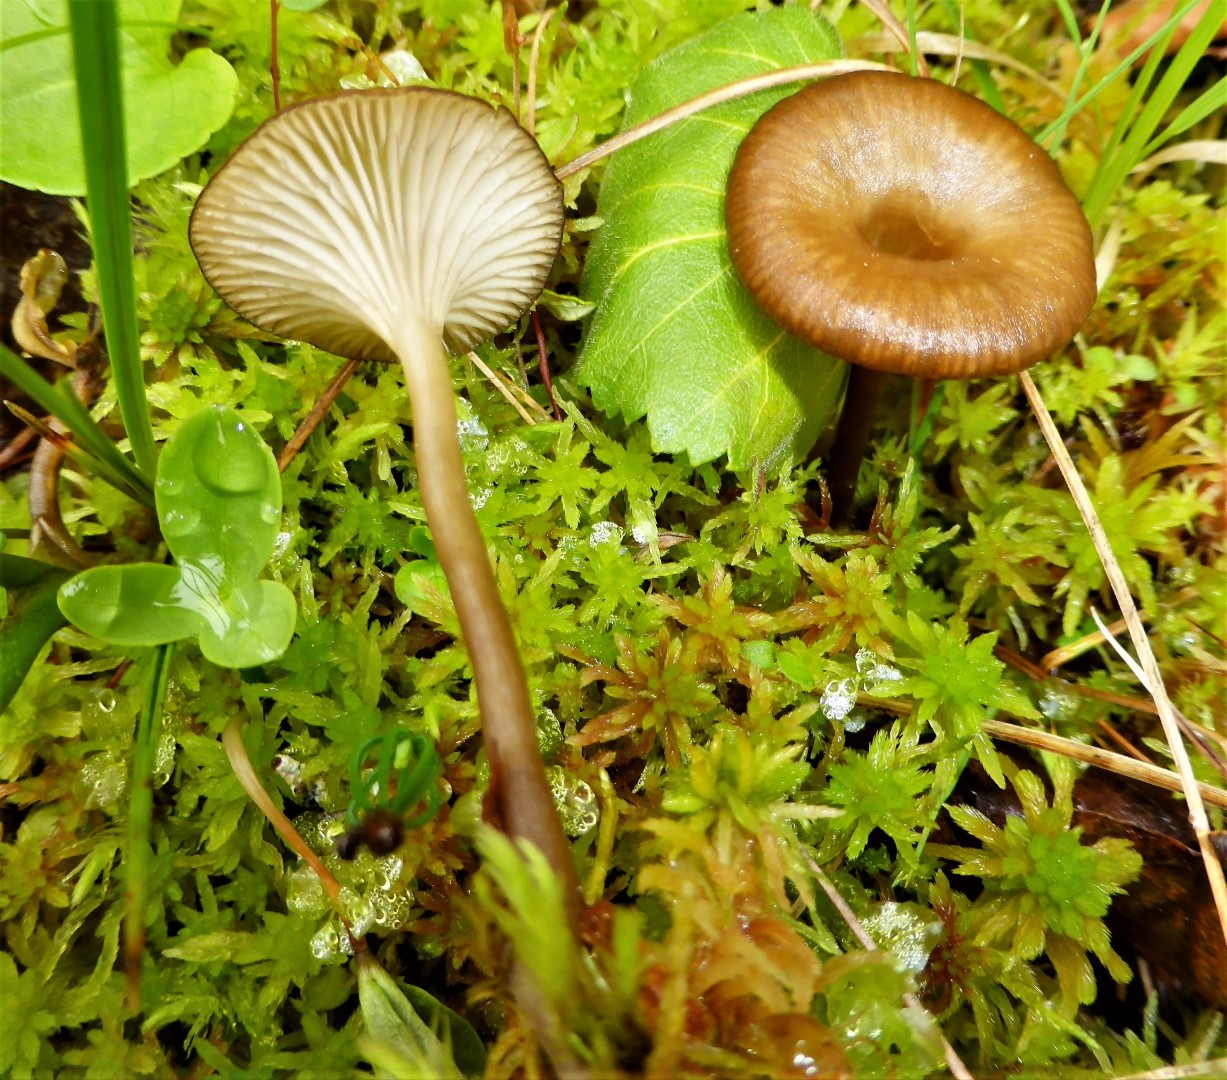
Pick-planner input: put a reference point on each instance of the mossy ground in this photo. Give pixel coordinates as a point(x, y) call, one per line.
point(724, 711)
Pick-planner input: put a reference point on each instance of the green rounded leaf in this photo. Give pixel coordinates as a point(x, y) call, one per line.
point(256, 625)
point(675, 337)
point(169, 110)
point(218, 495)
point(138, 605)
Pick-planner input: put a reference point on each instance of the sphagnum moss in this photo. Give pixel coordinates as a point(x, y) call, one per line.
point(649, 590)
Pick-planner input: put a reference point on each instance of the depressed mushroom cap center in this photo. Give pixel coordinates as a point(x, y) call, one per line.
point(901, 224)
point(906, 224)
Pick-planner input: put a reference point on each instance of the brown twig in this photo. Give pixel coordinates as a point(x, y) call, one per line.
point(544, 360)
point(313, 418)
point(240, 762)
point(274, 8)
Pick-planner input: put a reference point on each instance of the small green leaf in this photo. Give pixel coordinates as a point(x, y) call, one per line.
point(139, 605)
point(401, 1036)
point(257, 624)
point(189, 101)
point(32, 618)
point(674, 335)
point(219, 495)
point(219, 504)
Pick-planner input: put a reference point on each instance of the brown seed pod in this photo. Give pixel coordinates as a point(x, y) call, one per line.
point(904, 226)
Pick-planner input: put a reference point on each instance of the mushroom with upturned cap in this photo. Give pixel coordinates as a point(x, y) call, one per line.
point(903, 226)
point(387, 224)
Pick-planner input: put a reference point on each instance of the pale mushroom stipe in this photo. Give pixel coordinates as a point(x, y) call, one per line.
point(390, 224)
point(903, 226)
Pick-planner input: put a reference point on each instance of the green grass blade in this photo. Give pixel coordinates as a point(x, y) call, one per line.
point(1212, 101)
point(76, 418)
point(95, 39)
point(1114, 167)
point(1074, 106)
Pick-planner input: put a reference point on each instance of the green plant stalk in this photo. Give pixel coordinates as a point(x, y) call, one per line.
point(1086, 49)
point(74, 416)
point(95, 40)
point(140, 817)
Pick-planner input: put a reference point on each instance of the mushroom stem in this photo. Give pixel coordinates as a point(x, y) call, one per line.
point(851, 438)
point(518, 784)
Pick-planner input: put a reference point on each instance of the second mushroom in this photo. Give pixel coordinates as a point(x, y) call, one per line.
point(903, 226)
point(395, 225)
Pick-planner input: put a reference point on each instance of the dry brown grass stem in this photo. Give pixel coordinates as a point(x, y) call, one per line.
point(892, 23)
point(950, 45)
point(503, 388)
point(534, 59)
point(1094, 755)
point(240, 762)
point(1151, 677)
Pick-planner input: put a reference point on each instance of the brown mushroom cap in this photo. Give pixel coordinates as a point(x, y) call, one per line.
point(345, 216)
point(902, 225)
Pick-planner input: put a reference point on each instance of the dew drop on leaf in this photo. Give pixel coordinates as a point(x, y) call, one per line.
point(181, 521)
point(838, 698)
point(1058, 703)
point(223, 458)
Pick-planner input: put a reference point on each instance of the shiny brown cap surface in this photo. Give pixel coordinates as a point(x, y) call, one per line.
point(902, 225)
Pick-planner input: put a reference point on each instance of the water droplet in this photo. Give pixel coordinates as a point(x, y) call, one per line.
point(605, 532)
point(358, 909)
point(905, 932)
point(575, 801)
point(225, 460)
point(304, 894)
point(180, 521)
point(270, 513)
point(879, 678)
point(1057, 703)
point(391, 909)
point(331, 945)
point(855, 721)
point(838, 698)
point(164, 759)
point(473, 435)
point(104, 777)
point(169, 484)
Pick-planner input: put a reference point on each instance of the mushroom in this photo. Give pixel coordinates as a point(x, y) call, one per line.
point(388, 224)
point(903, 226)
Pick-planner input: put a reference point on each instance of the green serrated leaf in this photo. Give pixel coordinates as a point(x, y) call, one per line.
point(190, 100)
point(675, 337)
